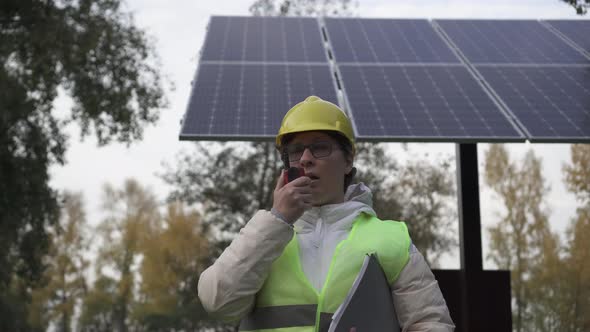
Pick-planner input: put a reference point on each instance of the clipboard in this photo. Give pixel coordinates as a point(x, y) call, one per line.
point(368, 306)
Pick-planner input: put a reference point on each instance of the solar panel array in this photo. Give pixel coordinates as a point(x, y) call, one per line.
point(402, 80)
point(552, 102)
point(251, 70)
point(543, 81)
point(382, 41)
point(509, 41)
point(422, 102)
point(264, 39)
point(242, 101)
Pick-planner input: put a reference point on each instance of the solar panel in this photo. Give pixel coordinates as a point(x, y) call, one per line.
point(553, 103)
point(263, 39)
point(577, 31)
point(386, 41)
point(422, 103)
point(509, 41)
point(399, 78)
point(249, 100)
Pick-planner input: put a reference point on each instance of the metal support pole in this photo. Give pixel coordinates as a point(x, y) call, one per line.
point(470, 235)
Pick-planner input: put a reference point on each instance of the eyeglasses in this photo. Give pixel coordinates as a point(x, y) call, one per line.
point(318, 150)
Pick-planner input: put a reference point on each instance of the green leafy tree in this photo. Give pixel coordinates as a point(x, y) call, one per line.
point(90, 50)
point(173, 258)
point(576, 316)
point(544, 283)
point(231, 184)
point(425, 190)
point(577, 174)
point(576, 313)
point(581, 6)
point(132, 217)
point(16, 304)
point(64, 279)
point(560, 285)
point(420, 192)
point(98, 307)
point(521, 240)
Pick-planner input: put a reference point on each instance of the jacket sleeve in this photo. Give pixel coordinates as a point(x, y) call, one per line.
point(227, 289)
point(418, 301)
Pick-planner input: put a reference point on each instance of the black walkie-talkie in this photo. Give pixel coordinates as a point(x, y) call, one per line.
point(291, 173)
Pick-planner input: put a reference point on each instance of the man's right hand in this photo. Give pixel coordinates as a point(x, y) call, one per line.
point(293, 198)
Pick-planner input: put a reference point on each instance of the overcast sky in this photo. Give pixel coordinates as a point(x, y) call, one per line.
point(178, 28)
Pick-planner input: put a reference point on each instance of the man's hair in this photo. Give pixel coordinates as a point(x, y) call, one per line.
point(342, 141)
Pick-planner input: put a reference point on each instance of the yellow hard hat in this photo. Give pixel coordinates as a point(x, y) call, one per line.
point(315, 113)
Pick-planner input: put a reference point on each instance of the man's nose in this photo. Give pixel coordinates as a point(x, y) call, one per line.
point(307, 158)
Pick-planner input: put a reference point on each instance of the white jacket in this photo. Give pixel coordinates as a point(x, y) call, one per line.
point(227, 289)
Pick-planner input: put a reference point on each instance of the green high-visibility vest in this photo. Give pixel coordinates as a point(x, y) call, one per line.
point(288, 302)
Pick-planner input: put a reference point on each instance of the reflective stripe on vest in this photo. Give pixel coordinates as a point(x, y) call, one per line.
point(288, 302)
point(284, 316)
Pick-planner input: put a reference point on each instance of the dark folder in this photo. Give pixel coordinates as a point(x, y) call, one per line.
point(368, 305)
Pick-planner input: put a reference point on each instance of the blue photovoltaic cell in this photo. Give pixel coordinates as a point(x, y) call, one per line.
point(578, 31)
point(263, 39)
point(385, 41)
point(509, 41)
point(551, 102)
point(232, 100)
point(425, 102)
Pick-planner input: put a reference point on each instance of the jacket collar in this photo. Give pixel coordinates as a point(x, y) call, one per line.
point(358, 198)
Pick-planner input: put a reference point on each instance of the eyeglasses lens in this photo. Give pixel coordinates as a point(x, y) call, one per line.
point(317, 149)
